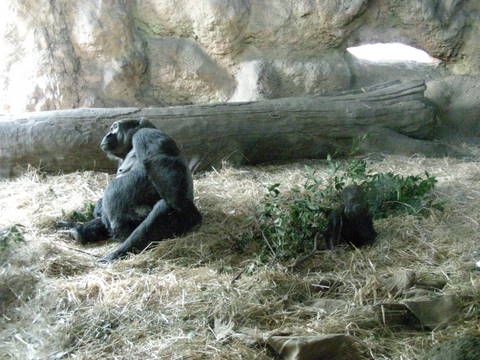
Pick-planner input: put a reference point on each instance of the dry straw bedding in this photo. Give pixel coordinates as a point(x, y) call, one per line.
point(193, 297)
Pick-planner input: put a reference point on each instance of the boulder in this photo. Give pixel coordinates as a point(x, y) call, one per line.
point(457, 99)
point(462, 348)
point(332, 347)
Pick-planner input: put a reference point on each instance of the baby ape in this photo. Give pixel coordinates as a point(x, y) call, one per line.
point(351, 223)
point(150, 198)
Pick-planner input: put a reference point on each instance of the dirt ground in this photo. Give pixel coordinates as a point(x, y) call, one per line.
point(198, 297)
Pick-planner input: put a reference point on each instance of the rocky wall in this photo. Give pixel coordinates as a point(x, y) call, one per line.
point(60, 54)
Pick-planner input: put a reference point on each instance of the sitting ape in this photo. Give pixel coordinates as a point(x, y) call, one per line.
point(351, 222)
point(150, 198)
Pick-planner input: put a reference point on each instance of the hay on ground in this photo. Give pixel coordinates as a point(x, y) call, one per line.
point(198, 297)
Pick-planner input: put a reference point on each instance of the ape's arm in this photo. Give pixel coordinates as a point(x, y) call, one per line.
point(164, 165)
point(333, 234)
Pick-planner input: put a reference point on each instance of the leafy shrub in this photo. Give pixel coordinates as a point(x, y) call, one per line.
point(84, 215)
point(391, 194)
point(288, 225)
point(10, 236)
point(386, 193)
point(288, 222)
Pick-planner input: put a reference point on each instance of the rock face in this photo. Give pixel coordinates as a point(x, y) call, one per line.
point(457, 99)
point(61, 54)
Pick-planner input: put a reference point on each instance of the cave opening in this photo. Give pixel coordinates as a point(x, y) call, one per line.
point(392, 53)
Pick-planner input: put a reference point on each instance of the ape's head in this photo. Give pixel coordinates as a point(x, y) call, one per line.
point(118, 141)
point(354, 201)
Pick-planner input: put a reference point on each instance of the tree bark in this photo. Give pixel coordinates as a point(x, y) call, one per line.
point(254, 132)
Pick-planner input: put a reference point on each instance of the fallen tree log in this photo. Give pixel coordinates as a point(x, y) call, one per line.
point(279, 129)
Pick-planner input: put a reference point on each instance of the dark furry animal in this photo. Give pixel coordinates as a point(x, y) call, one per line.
point(351, 223)
point(151, 197)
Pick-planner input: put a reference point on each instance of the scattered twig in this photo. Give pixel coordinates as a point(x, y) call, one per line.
point(302, 259)
point(238, 275)
point(80, 251)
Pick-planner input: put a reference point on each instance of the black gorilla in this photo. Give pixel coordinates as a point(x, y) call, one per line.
point(151, 197)
point(350, 223)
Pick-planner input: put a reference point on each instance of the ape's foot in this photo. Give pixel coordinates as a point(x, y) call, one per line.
point(110, 257)
point(71, 229)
